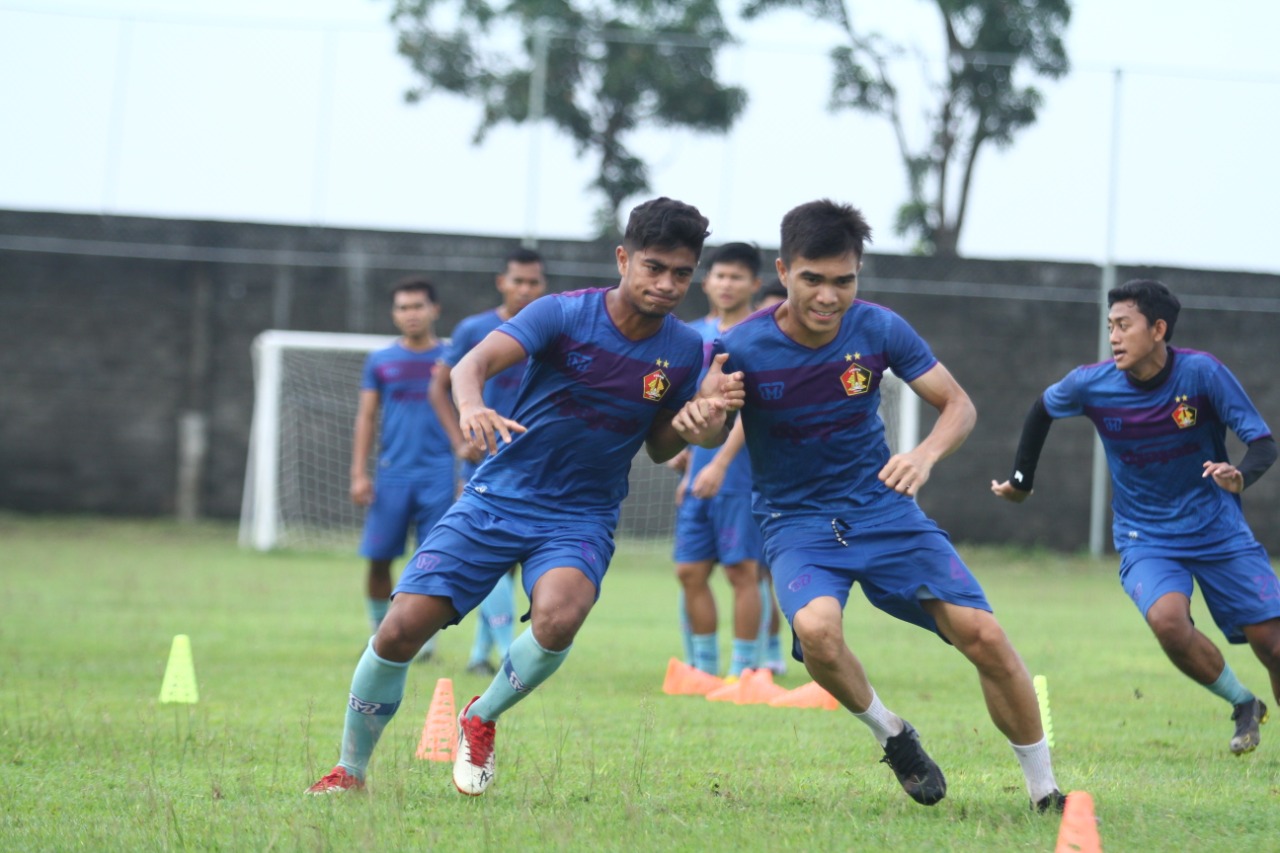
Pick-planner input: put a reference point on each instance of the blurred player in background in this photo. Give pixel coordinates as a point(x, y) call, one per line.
point(713, 505)
point(609, 370)
point(838, 508)
point(521, 281)
point(414, 483)
point(1162, 414)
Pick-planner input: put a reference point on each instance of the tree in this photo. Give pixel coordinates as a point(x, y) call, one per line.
point(987, 41)
point(609, 66)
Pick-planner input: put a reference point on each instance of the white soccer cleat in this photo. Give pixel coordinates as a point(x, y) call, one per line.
point(473, 765)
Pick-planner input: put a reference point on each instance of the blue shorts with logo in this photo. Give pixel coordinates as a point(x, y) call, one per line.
point(898, 564)
point(721, 529)
point(475, 544)
point(395, 506)
point(1240, 587)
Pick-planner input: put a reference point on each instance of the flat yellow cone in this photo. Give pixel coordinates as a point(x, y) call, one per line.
point(1041, 685)
point(180, 675)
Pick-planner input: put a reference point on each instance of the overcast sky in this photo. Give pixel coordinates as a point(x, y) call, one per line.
point(292, 111)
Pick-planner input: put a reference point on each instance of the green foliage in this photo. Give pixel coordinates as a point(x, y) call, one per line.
point(611, 67)
point(980, 100)
point(596, 759)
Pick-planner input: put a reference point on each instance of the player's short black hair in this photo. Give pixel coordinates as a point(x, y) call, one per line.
point(823, 229)
point(665, 223)
point(521, 255)
point(415, 284)
point(1152, 299)
point(737, 253)
point(774, 288)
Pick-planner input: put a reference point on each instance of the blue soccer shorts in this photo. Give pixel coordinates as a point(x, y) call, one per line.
point(1240, 588)
point(721, 529)
point(898, 564)
point(395, 506)
point(475, 544)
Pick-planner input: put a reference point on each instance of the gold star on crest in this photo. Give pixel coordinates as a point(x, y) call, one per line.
point(848, 357)
point(666, 363)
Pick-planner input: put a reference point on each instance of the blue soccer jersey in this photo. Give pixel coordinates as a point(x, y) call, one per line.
point(813, 430)
point(500, 391)
point(737, 478)
point(1157, 441)
point(588, 399)
point(412, 444)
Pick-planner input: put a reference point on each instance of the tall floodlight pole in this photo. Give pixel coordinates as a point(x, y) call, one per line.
point(537, 109)
point(1098, 497)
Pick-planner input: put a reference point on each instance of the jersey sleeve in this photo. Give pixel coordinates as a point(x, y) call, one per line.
point(538, 325)
point(909, 356)
point(1062, 398)
point(1234, 406)
point(369, 377)
point(688, 389)
point(460, 343)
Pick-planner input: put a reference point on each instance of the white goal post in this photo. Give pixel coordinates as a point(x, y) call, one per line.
point(306, 386)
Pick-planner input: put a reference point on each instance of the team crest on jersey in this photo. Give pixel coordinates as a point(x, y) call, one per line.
point(856, 380)
point(656, 385)
point(1184, 416)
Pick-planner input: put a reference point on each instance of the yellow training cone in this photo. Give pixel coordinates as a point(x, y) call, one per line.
point(180, 675)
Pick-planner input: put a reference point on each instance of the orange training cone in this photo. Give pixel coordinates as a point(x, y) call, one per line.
point(685, 680)
point(440, 731)
point(1078, 832)
point(811, 695)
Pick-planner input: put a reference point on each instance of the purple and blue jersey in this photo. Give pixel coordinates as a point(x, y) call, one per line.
point(588, 398)
point(811, 415)
point(500, 391)
point(737, 477)
point(1157, 441)
point(412, 444)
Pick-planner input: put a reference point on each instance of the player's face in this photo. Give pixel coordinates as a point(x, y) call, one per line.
point(1137, 346)
point(654, 280)
point(520, 285)
point(819, 292)
point(413, 314)
point(729, 287)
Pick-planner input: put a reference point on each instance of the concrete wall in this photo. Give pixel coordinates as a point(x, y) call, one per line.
point(117, 329)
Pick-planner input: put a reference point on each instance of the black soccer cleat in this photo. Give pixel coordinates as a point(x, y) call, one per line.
point(1248, 717)
point(1053, 802)
point(919, 776)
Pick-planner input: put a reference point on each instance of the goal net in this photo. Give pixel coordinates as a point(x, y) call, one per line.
point(306, 386)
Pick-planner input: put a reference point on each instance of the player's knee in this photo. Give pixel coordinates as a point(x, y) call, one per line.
point(743, 577)
point(820, 638)
point(1172, 628)
point(693, 575)
point(555, 626)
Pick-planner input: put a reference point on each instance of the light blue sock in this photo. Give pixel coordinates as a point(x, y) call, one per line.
point(1229, 687)
point(686, 631)
point(483, 641)
point(744, 655)
point(377, 610)
point(499, 610)
point(774, 651)
point(706, 653)
point(376, 690)
point(526, 665)
point(762, 637)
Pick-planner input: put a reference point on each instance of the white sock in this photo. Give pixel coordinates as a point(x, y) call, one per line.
point(1037, 767)
point(883, 723)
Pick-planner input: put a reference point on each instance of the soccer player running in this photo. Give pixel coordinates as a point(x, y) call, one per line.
point(1162, 414)
point(609, 370)
point(415, 478)
point(713, 515)
point(521, 281)
point(837, 508)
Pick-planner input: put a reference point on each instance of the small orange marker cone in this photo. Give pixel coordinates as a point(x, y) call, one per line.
point(440, 731)
point(685, 680)
point(758, 687)
point(811, 695)
point(1078, 832)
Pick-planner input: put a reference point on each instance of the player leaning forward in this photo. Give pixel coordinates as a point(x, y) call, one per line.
point(837, 508)
point(1162, 414)
point(609, 369)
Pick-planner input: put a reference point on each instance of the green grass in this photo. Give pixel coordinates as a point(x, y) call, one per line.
point(598, 758)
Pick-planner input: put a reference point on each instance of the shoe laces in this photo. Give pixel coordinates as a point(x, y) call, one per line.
point(479, 735)
point(905, 757)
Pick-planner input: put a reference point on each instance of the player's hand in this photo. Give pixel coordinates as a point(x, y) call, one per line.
point(468, 452)
point(679, 462)
point(906, 473)
point(1226, 475)
point(701, 420)
point(483, 427)
point(727, 387)
point(708, 482)
point(361, 490)
point(1008, 492)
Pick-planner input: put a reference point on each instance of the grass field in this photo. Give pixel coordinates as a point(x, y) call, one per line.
point(598, 758)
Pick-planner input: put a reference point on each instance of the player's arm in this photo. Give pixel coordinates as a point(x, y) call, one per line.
point(479, 424)
point(705, 420)
point(908, 472)
point(362, 445)
point(1035, 429)
point(709, 480)
point(442, 404)
point(1258, 458)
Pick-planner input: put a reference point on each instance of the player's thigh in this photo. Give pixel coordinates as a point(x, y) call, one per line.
point(737, 535)
point(387, 521)
point(1147, 578)
point(1240, 589)
point(695, 536)
point(808, 563)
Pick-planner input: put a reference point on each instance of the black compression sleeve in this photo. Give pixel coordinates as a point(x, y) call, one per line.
point(1034, 431)
point(1260, 456)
